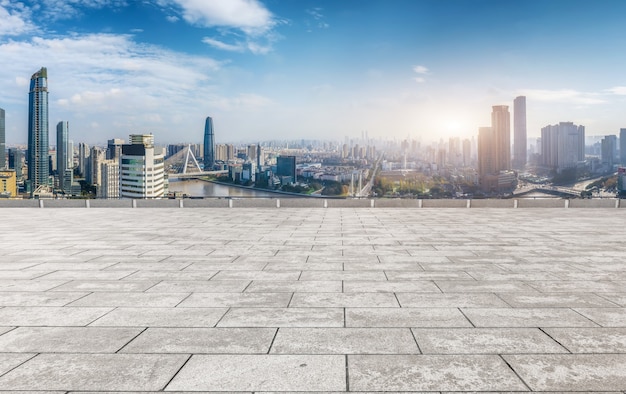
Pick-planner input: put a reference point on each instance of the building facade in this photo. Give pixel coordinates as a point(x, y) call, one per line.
point(110, 182)
point(608, 151)
point(501, 126)
point(3, 146)
point(38, 168)
point(519, 133)
point(622, 146)
point(209, 144)
point(8, 184)
point(16, 158)
point(562, 145)
point(142, 174)
point(65, 160)
point(286, 169)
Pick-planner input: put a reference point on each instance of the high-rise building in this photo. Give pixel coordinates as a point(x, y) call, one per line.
point(467, 152)
point(486, 152)
point(622, 146)
point(114, 149)
point(609, 151)
point(142, 172)
point(3, 147)
point(38, 170)
point(83, 159)
point(501, 126)
point(110, 179)
point(209, 144)
point(94, 175)
point(286, 168)
point(562, 145)
point(8, 183)
point(64, 157)
point(519, 133)
point(16, 157)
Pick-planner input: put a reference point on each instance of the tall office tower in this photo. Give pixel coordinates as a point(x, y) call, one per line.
point(114, 148)
point(608, 150)
point(622, 146)
point(562, 145)
point(286, 169)
point(38, 170)
point(501, 126)
point(15, 161)
point(94, 175)
point(259, 157)
point(142, 172)
point(3, 147)
point(519, 133)
point(83, 158)
point(64, 157)
point(209, 144)
point(110, 186)
point(467, 152)
point(486, 152)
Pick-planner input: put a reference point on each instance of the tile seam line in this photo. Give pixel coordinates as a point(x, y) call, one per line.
point(176, 373)
point(515, 372)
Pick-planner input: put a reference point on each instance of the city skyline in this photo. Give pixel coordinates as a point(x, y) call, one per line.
point(280, 70)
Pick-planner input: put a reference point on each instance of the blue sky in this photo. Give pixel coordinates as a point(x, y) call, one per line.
point(284, 69)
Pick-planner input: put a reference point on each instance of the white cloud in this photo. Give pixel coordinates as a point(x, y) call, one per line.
point(420, 69)
point(237, 47)
point(250, 16)
point(172, 18)
point(316, 12)
point(67, 9)
point(14, 21)
point(617, 90)
point(563, 95)
point(247, 101)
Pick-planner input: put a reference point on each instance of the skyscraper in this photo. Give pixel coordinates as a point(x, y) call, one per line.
point(519, 133)
point(562, 145)
point(64, 156)
point(501, 126)
point(209, 144)
point(3, 148)
point(38, 171)
point(142, 172)
point(622, 146)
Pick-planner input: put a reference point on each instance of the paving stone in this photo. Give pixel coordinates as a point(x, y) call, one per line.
point(9, 361)
point(484, 341)
point(579, 372)
point(267, 286)
point(590, 340)
point(283, 317)
point(257, 275)
point(390, 286)
point(462, 286)
point(50, 316)
point(6, 274)
point(342, 275)
point(555, 300)
point(405, 317)
point(106, 285)
point(202, 340)
point(450, 300)
point(29, 298)
point(379, 300)
point(161, 317)
point(427, 275)
point(131, 299)
point(262, 373)
point(28, 285)
point(526, 317)
point(579, 286)
point(431, 373)
point(606, 317)
point(344, 341)
point(66, 339)
point(115, 372)
point(87, 274)
point(212, 300)
point(206, 286)
point(617, 298)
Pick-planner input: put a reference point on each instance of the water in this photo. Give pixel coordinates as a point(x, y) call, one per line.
point(196, 188)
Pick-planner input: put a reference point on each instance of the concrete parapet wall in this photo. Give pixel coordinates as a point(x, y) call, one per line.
point(541, 203)
point(317, 203)
point(444, 203)
point(505, 203)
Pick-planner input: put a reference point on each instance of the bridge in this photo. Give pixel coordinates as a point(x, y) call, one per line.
point(184, 165)
point(552, 190)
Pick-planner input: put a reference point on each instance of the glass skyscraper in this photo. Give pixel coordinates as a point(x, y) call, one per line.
point(3, 148)
point(64, 156)
point(209, 145)
point(38, 169)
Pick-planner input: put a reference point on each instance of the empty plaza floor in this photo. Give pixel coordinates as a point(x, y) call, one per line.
point(326, 300)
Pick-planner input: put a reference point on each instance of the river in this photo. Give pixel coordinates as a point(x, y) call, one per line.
point(196, 188)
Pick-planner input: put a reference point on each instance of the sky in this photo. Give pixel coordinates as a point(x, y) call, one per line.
point(311, 69)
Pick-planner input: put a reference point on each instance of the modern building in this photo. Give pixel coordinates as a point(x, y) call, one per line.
point(286, 169)
point(8, 184)
point(142, 172)
point(114, 148)
point(110, 179)
point(209, 144)
point(65, 159)
point(501, 126)
point(562, 145)
point(622, 146)
point(494, 151)
point(83, 159)
point(16, 158)
point(608, 151)
point(38, 169)
point(519, 133)
point(3, 146)
point(94, 175)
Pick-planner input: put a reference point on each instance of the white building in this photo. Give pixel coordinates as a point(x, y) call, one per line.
point(562, 145)
point(110, 186)
point(142, 169)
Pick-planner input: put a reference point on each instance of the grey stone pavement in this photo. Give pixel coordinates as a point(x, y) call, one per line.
point(327, 300)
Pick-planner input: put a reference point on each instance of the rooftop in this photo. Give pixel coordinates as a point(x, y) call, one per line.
point(315, 299)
